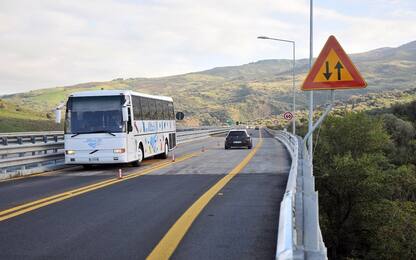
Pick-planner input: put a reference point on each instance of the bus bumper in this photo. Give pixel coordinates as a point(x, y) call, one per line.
point(116, 158)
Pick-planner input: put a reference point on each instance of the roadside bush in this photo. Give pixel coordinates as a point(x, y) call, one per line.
point(366, 197)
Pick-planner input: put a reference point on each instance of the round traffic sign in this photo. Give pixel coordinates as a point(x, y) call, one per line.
point(288, 116)
point(180, 116)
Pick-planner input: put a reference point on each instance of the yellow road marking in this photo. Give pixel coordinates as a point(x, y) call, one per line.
point(18, 210)
point(173, 237)
point(48, 173)
point(51, 173)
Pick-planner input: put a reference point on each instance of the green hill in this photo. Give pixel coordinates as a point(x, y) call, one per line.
point(247, 92)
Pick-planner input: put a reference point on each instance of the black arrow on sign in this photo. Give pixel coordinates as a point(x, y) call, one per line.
point(327, 74)
point(339, 67)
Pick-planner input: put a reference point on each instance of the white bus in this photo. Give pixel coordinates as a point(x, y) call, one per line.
point(117, 126)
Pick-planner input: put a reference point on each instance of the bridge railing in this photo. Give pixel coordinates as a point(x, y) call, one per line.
point(299, 234)
point(25, 153)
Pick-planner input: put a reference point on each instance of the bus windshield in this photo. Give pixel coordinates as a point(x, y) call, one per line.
point(94, 115)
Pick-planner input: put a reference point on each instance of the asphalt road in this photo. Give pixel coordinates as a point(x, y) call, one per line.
point(127, 219)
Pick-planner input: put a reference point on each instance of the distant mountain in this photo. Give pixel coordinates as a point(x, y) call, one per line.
point(245, 92)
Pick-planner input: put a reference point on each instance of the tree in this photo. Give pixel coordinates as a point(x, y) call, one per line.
point(402, 134)
point(348, 162)
point(367, 204)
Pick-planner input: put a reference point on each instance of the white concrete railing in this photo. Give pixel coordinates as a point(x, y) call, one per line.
point(299, 235)
point(33, 152)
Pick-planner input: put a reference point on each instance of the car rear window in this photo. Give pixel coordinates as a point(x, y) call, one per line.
point(237, 133)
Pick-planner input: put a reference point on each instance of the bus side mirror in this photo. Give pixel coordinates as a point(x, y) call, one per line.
point(125, 114)
point(58, 113)
point(58, 116)
point(179, 116)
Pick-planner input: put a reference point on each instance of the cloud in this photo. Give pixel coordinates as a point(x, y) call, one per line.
point(47, 43)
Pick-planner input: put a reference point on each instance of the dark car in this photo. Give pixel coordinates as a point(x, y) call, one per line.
point(238, 138)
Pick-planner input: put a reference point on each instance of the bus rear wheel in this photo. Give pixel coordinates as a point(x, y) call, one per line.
point(165, 153)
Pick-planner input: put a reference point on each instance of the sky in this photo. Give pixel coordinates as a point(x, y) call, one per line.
point(49, 43)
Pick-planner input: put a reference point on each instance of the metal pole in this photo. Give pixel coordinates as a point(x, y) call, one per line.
point(294, 91)
point(293, 76)
point(323, 116)
point(310, 125)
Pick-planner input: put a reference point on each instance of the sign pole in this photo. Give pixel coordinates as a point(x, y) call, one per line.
point(323, 116)
point(310, 124)
point(332, 70)
point(294, 91)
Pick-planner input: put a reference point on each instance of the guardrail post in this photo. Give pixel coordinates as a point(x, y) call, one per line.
point(313, 243)
point(19, 140)
point(45, 138)
point(299, 199)
point(310, 215)
point(4, 140)
point(307, 237)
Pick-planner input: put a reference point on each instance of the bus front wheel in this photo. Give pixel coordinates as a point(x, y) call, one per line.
point(140, 156)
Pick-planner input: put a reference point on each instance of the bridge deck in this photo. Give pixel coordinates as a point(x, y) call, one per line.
point(127, 219)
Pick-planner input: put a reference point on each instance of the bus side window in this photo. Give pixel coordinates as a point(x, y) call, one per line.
point(152, 109)
point(156, 109)
point(137, 108)
point(159, 107)
point(171, 113)
point(145, 108)
point(165, 110)
point(129, 125)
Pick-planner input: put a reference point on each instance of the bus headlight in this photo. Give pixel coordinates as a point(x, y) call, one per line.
point(120, 150)
point(70, 152)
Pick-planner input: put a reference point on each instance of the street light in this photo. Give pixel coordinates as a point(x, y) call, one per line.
point(293, 76)
point(310, 121)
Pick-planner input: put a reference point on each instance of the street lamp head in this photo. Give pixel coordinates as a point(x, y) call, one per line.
point(262, 37)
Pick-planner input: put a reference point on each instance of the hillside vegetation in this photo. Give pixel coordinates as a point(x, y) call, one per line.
point(18, 118)
point(373, 186)
point(242, 93)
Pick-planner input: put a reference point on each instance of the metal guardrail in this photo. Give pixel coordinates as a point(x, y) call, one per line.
point(33, 152)
point(299, 234)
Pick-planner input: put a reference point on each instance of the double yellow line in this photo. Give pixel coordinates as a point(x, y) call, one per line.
point(16, 211)
point(166, 247)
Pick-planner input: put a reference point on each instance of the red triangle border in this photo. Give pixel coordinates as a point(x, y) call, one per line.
point(357, 82)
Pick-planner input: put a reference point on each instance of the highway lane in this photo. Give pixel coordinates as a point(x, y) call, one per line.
point(128, 219)
point(16, 192)
point(247, 208)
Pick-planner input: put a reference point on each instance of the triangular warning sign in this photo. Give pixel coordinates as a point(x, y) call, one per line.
point(333, 69)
